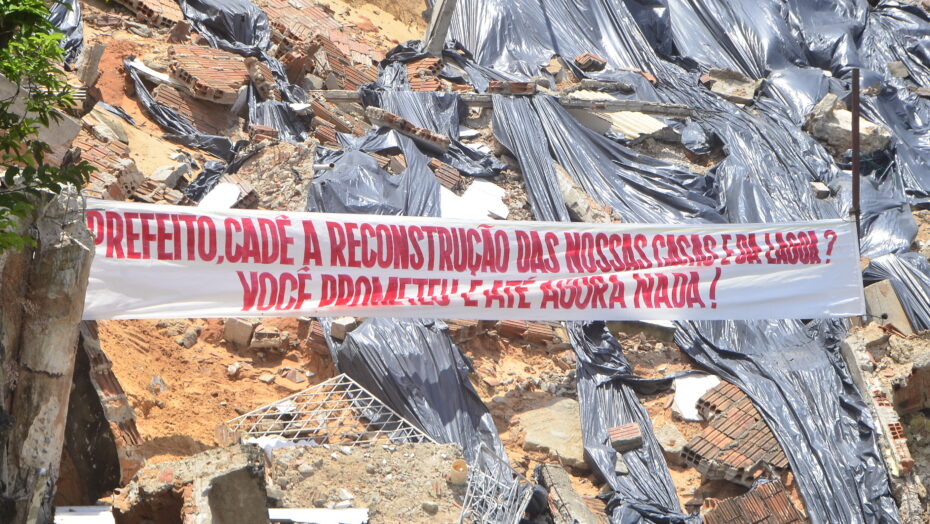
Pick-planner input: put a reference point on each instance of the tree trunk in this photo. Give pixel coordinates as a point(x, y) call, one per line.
point(40, 339)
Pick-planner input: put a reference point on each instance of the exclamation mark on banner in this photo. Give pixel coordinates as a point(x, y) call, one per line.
point(713, 289)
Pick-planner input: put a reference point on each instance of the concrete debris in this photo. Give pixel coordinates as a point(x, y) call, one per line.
point(207, 117)
point(581, 206)
point(555, 430)
point(560, 71)
point(672, 442)
point(88, 65)
point(189, 338)
point(882, 303)
point(268, 338)
point(171, 176)
point(731, 85)
point(396, 483)
point(831, 123)
point(565, 504)
point(342, 326)
point(219, 485)
point(238, 331)
point(821, 190)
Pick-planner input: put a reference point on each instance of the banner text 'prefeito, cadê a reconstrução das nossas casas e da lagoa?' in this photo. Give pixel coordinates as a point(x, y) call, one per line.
point(176, 262)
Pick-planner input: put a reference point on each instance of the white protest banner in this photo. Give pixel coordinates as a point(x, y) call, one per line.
point(175, 262)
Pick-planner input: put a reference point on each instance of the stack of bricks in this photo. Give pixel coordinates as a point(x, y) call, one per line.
point(158, 13)
point(378, 116)
point(325, 134)
point(448, 176)
point(532, 332)
point(210, 74)
point(340, 120)
point(206, 117)
point(894, 431)
point(263, 79)
point(765, 504)
point(511, 88)
point(590, 62)
point(116, 176)
point(626, 437)
point(328, 59)
point(258, 132)
point(295, 22)
point(152, 192)
point(737, 445)
point(422, 74)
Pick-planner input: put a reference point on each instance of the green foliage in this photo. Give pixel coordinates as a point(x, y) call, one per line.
point(29, 55)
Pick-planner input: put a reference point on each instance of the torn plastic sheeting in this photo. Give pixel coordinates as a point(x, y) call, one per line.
point(238, 26)
point(798, 381)
point(358, 185)
point(119, 111)
point(910, 277)
point(520, 36)
point(208, 178)
point(907, 116)
point(519, 130)
point(440, 113)
point(65, 15)
point(639, 188)
point(278, 116)
point(414, 368)
point(607, 399)
point(898, 32)
point(180, 130)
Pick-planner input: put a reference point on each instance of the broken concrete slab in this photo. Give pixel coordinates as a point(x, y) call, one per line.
point(239, 331)
point(566, 504)
point(831, 124)
point(555, 430)
point(268, 339)
point(672, 442)
point(581, 207)
point(821, 190)
point(881, 301)
point(341, 327)
point(222, 485)
point(731, 85)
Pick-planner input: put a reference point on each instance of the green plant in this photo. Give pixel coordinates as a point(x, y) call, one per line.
point(29, 55)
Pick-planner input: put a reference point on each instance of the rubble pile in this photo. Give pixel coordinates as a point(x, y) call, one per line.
point(405, 482)
point(596, 136)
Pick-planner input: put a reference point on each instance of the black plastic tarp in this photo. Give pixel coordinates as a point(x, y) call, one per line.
point(179, 129)
point(909, 274)
point(414, 368)
point(238, 26)
point(798, 381)
point(277, 115)
point(638, 188)
point(607, 396)
point(65, 15)
point(356, 184)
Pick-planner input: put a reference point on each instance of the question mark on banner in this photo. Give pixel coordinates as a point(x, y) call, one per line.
point(713, 289)
point(831, 236)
